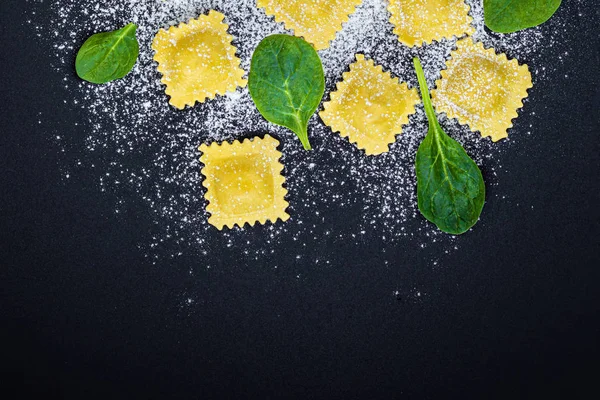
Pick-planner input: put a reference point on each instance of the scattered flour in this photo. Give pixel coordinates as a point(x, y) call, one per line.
point(142, 145)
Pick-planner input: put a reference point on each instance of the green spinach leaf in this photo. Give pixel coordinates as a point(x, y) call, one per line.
point(450, 187)
point(287, 82)
point(107, 56)
point(506, 16)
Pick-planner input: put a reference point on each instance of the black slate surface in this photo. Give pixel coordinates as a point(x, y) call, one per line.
point(513, 312)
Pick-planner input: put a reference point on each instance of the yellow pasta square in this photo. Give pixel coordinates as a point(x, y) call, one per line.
point(317, 21)
point(369, 106)
point(482, 89)
point(244, 182)
point(422, 21)
point(197, 60)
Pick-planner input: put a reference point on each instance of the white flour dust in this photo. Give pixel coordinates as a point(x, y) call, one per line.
point(142, 145)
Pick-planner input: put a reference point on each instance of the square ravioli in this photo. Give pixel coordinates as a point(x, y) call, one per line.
point(369, 106)
point(423, 21)
point(482, 89)
point(197, 60)
point(317, 21)
point(244, 182)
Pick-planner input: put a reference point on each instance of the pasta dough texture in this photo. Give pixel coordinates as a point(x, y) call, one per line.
point(369, 106)
point(482, 89)
point(197, 60)
point(317, 21)
point(422, 21)
point(244, 182)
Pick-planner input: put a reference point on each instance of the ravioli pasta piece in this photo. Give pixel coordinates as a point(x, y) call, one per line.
point(317, 21)
point(482, 89)
point(244, 182)
point(369, 106)
point(422, 21)
point(197, 60)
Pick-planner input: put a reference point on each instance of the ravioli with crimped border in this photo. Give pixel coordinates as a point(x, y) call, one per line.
point(369, 107)
point(197, 60)
point(482, 89)
point(243, 182)
point(317, 21)
point(423, 21)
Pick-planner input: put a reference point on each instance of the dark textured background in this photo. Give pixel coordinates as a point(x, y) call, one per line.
point(513, 312)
